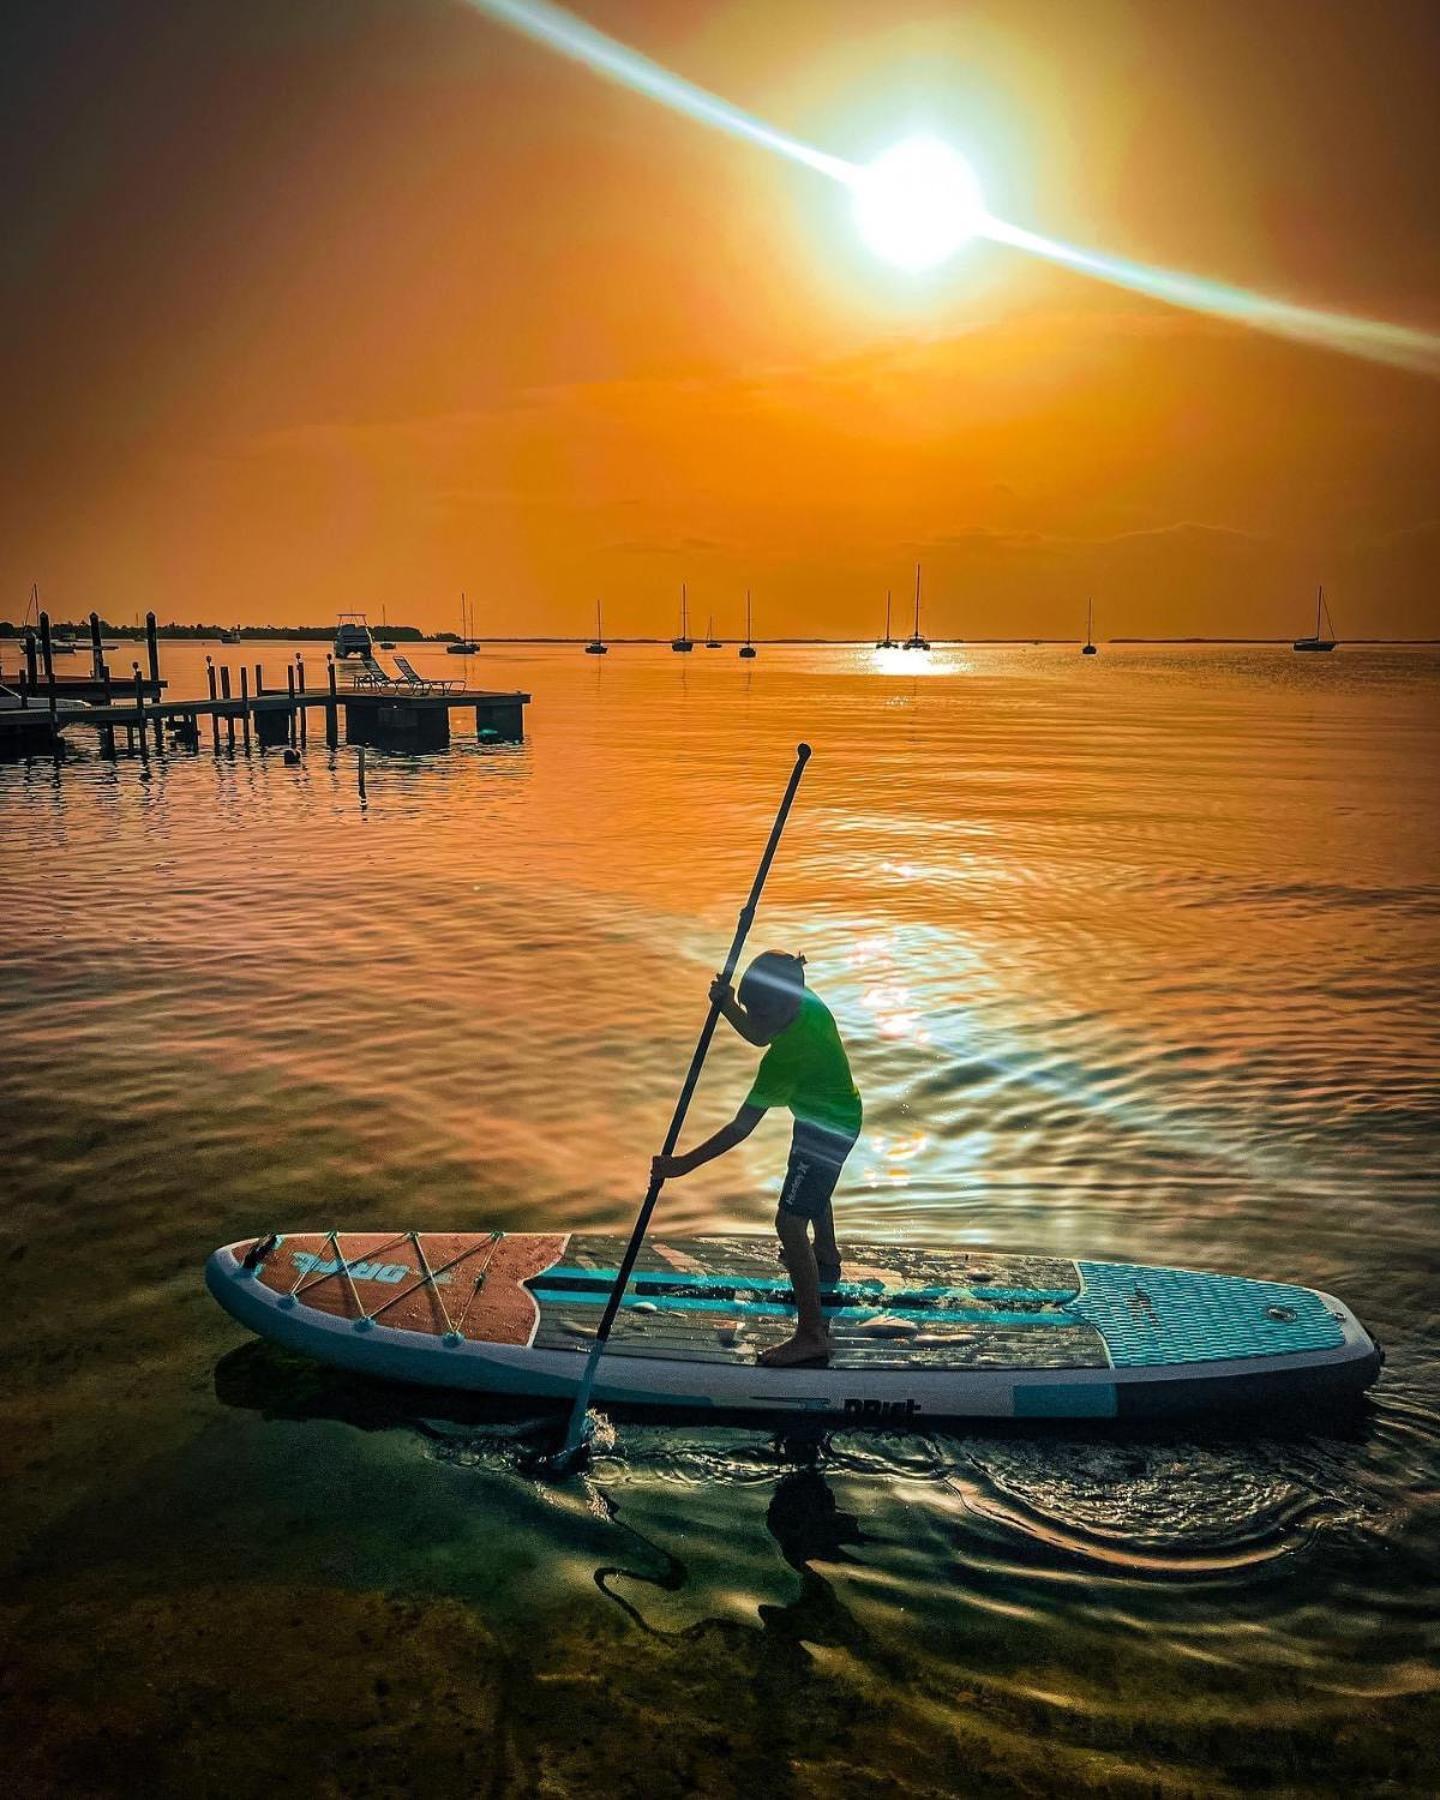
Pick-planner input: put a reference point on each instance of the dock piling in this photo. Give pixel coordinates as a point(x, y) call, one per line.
point(361, 767)
point(140, 716)
point(152, 647)
point(304, 710)
point(290, 689)
point(332, 712)
point(97, 654)
point(107, 736)
point(47, 656)
point(259, 681)
point(32, 680)
point(245, 705)
point(229, 717)
point(214, 717)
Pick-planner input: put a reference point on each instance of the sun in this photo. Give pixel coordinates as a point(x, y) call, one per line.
point(918, 203)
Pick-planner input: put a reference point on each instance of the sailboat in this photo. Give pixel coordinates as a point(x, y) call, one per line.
point(1317, 642)
point(887, 642)
point(684, 642)
point(711, 641)
point(747, 649)
point(386, 642)
point(598, 647)
point(465, 645)
point(915, 641)
point(1088, 647)
point(59, 646)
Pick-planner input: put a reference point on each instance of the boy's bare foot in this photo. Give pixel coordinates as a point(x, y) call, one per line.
point(797, 1352)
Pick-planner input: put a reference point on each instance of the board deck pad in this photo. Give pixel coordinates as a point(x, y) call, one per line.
point(724, 1300)
point(727, 1299)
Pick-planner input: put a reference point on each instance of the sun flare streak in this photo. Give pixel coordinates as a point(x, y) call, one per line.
point(582, 43)
point(919, 203)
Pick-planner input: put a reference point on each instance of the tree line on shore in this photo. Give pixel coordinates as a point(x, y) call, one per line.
point(411, 634)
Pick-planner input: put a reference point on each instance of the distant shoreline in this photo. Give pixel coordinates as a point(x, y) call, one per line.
point(79, 632)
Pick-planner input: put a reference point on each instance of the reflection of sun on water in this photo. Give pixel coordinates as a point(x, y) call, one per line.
point(889, 1157)
point(896, 1015)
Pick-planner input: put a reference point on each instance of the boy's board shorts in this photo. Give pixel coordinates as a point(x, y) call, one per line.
point(816, 1159)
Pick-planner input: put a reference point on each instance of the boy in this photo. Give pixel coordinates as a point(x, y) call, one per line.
point(804, 1068)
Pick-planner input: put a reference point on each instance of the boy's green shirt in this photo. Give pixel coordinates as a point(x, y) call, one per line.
point(806, 1069)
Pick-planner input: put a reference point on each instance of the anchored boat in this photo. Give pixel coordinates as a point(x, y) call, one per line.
point(917, 1334)
point(747, 649)
point(465, 644)
point(352, 637)
point(597, 646)
point(684, 643)
point(915, 641)
point(1318, 642)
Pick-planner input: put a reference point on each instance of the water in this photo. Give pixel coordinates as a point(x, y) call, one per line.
point(1137, 956)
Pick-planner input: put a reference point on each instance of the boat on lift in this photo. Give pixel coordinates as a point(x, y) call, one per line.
point(915, 641)
point(1088, 647)
point(684, 643)
point(352, 637)
point(597, 646)
point(1318, 642)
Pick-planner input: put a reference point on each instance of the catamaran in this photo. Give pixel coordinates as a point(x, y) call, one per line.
point(915, 641)
point(465, 644)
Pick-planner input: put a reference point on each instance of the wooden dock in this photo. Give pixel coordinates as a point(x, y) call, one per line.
point(381, 718)
point(393, 716)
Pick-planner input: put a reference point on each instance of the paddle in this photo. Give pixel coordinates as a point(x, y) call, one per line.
point(575, 1431)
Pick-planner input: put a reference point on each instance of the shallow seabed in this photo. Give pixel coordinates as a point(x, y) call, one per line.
point(1137, 955)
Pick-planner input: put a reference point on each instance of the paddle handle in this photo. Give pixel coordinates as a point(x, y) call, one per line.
point(682, 1105)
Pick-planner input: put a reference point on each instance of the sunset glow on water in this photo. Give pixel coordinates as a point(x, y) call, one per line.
point(1135, 958)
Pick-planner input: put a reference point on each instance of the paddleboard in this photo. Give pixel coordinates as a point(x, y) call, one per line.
point(917, 1334)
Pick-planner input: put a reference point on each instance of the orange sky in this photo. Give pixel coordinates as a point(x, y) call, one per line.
point(311, 305)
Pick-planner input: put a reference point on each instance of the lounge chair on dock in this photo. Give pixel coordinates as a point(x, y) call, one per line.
point(372, 675)
point(411, 678)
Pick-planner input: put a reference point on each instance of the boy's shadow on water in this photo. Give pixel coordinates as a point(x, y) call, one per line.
point(803, 1517)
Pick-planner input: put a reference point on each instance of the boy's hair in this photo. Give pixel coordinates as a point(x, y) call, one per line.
point(771, 987)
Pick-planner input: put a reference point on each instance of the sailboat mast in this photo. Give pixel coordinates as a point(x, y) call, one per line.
point(684, 612)
point(747, 615)
point(887, 615)
point(917, 600)
point(1319, 603)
